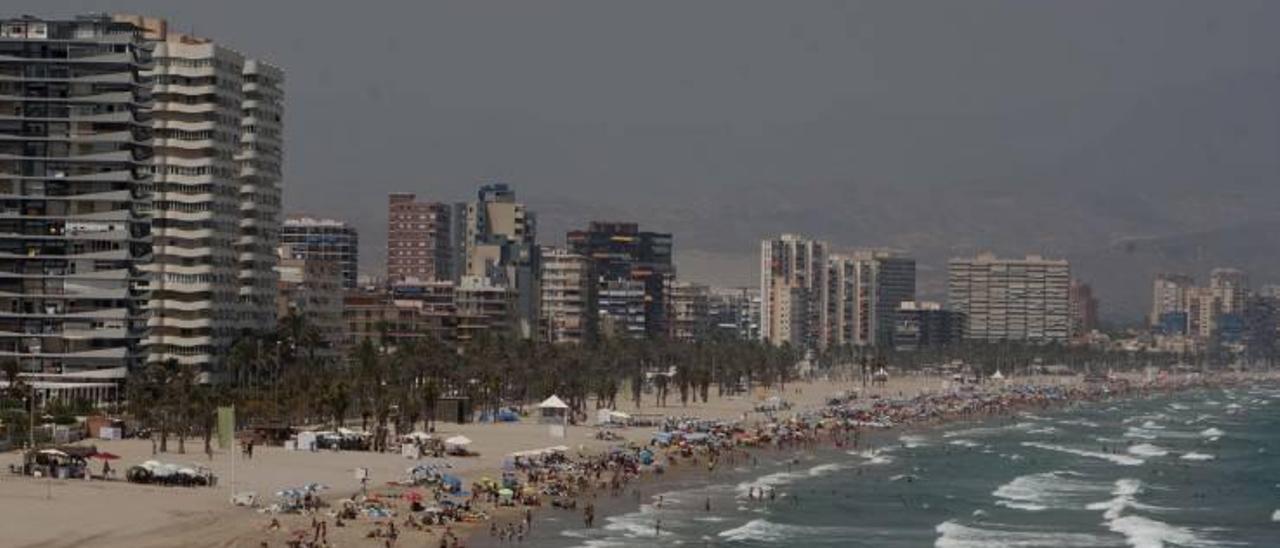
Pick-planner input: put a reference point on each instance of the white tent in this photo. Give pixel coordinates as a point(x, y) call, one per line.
point(997, 375)
point(553, 410)
point(554, 402)
point(457, 441)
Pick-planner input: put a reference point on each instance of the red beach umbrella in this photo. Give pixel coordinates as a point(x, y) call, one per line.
point(103, 455)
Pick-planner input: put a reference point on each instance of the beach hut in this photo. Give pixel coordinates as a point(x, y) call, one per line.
point(553, 410)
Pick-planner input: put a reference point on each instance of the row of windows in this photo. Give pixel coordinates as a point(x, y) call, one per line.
point(192, 171)
point(193, 63)
point(171, 277)
point(204, 188)
point(198, 207)
point(199, 135)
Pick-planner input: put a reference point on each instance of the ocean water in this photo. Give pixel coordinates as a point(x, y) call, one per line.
point(1195, 469)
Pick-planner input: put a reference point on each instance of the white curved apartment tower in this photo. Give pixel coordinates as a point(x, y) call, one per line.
point(196, 202)
point(75, 157)
point(260, 158)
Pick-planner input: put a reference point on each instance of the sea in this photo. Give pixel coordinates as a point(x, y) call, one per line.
point(1192, 469)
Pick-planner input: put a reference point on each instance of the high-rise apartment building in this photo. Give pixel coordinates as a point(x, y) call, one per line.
point(313, 238)
point(419, 239)
point(864, 290)
point(75, 183)
point(499, 244)
point(1084, 309)
point(624, 257)
point(850, 301)
point(895, 283)
point(1012, 299)
point(568, 297)
point(261, 160)
point(1169, 296)
point(216, 198)
point(793, 292)
point(177, 136)
point(196, 309)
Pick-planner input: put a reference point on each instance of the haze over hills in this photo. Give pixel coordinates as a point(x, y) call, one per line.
point(1178, 184)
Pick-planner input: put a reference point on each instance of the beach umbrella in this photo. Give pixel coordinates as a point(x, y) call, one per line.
point(458, 440)
point(412, 496)
point(52, 452)
point(103, 455)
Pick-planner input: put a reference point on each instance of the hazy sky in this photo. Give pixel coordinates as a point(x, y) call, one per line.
point(726, 121)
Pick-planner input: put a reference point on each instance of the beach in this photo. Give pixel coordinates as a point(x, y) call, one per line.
point(117, 513)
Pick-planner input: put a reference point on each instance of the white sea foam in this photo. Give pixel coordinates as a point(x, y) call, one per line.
point(1035, 492)
point(1148, 450)
point(1178, 407)
point(912, 442)
point(765, 531)
point(1275, 516)
point(1028, 506)
point(1151, 425)
point(1140, 433)
point(767, 481)
point(1144, 532)
point(1124, 460)
point(824, 469)
point(954, 535)
point(964, 443)
point(779, 479)
point(633, 525)
point(1045, 430)
point(1212, 433)
point(1125, 496)
point(1197, 456)
point(1079, 422)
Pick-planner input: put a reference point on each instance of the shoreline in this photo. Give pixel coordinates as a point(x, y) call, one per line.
point(121, 514)
point(826, 454)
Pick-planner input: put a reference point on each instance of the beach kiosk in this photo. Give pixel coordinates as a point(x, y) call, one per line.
point(555, 413)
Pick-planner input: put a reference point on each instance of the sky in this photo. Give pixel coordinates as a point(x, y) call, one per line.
point(941, 128)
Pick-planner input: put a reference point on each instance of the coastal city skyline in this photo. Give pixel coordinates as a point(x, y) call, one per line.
point(1099, 210)
point(725, 273)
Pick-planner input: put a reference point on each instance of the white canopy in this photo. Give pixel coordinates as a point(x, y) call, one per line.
point(553, 403)
point(458, 440)
point(997, 375)
point(418, 435)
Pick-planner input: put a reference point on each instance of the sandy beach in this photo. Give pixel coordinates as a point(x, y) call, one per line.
point(52, 513)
